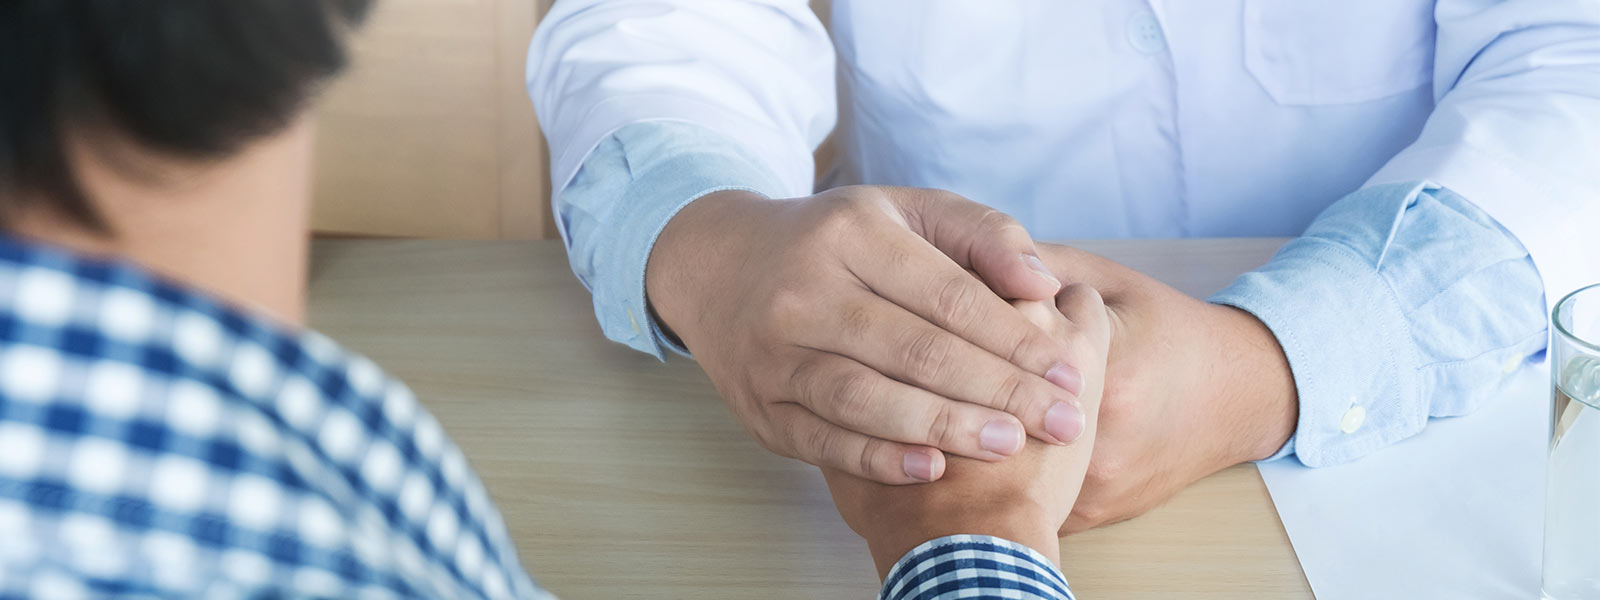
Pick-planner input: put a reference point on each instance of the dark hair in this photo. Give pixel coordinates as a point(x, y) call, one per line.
point(188, 78)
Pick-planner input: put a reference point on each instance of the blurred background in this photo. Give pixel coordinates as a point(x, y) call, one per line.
point(431, 133)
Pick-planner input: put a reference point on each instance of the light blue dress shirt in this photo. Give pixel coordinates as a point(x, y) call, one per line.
point(1403, 300)
point(1400, 302)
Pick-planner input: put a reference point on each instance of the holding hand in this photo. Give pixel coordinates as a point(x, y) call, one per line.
point(1191, 388)
point(1024, 499)
point(845, 329)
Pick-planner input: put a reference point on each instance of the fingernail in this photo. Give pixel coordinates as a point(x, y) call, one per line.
point(1037, 266)
point(1065, 377)
point(1001, 436)
point(1064, 421)
point(919, 466)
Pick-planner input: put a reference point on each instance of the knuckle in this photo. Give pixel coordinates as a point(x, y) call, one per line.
point(925, 352)
point(994, 219)
point(1032, 344)
point(954, 299)
point(869, 453)
point(843, 215)
point(803, 379)
point(853, 394)
point(897, 258)
point(782, 438)
point(1040, 314)
point(1002, 224)
point(820, 443)
point(941, 427)
point(1008, 395)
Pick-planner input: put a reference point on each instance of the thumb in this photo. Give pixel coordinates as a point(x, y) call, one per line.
point(979, 238)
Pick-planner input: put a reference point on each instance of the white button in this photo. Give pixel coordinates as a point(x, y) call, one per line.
point(1512, 362)
point(1352, 419)
point(634, 322)
point(1144, 32)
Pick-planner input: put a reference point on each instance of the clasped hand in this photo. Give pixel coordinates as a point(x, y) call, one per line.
point(1024, 499)
point(867, 330)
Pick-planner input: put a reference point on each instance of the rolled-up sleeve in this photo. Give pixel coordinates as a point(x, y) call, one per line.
point(650, 104)
point(621, 199)
point(1516, 126)
point(1406, 301)
point(1400, 303)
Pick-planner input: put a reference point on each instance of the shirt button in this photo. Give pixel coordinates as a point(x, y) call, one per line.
point(634, 322)
point(1352, 419)
point(1144, 32)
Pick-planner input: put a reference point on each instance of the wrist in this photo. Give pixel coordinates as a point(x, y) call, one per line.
point(1012, 518)
point(1255, 390)
point(679, 268)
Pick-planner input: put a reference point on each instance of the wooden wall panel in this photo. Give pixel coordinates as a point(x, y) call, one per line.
point(430, 133)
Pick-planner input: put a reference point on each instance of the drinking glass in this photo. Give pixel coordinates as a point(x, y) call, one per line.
point(1572, 493)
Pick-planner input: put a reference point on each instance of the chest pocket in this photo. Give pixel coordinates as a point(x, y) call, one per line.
point(1311, 52)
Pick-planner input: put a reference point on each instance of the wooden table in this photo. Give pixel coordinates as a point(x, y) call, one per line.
point(622, 477)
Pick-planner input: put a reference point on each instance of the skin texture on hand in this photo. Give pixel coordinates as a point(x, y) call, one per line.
point(845, 329)
point(1191, 388)
point(1024, 499)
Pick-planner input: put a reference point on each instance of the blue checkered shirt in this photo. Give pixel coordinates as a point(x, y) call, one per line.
point(155, 442)
point(974, 566)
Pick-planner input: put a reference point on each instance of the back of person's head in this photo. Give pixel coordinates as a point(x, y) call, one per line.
point(187, 79)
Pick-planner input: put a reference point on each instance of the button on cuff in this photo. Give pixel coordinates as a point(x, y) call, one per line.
point(1353, 419)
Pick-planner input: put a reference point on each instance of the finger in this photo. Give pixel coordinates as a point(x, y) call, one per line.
point(824, 444)
point(979, 238)
point(891, 341)
point(916, 276)
point(1044, 315)
point(851, 395)
point(1082, 305)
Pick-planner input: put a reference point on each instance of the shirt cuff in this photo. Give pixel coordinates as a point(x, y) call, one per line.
point(668, 166)
point(1344, 332)
point(974, 566)
point(1550, 216)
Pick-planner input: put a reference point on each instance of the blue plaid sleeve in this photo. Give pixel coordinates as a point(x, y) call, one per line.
point(974, 566)
point(155, 442)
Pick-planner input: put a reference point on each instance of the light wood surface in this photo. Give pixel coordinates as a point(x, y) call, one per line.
point(622, 477)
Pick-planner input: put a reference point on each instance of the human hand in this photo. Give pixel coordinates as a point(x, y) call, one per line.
point(1191, 388)
point(840, 331)
point(1024, 499)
